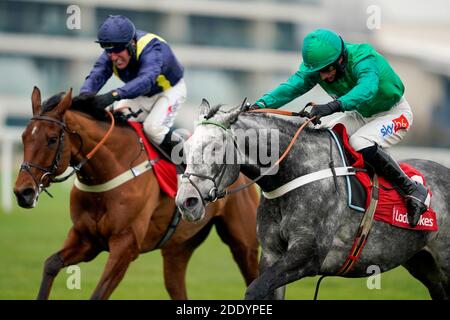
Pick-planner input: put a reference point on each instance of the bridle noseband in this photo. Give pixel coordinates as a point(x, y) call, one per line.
point(49, 171)
point(213, 194)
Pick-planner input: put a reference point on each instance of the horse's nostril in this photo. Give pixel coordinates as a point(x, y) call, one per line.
point(191, 203)
point(26, 196)
point(28, 192)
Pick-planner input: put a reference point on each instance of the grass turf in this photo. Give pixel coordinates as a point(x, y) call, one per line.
point(28, 237)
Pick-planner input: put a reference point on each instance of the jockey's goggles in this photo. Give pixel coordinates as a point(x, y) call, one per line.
point(329, 68)
point(113, 47)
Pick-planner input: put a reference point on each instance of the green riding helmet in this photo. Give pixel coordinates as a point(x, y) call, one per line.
point(321, 48)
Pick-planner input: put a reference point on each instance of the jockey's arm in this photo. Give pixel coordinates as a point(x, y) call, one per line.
point(297, 84)
point(98, 76)
point(366, 71)
point(150, 66)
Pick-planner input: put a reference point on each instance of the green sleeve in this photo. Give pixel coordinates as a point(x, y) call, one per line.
point(366, 71)
point(297, 84)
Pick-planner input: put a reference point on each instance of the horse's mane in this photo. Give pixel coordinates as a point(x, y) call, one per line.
point(83, 106)
point(288, 124)
point(52, 102)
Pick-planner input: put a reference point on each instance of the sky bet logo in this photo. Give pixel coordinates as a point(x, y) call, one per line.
point(396, 124)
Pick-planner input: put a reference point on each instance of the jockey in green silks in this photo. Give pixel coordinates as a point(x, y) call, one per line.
point(367, 90)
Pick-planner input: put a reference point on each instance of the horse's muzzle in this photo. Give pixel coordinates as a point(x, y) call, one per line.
point(26, 197)
point(190, 204)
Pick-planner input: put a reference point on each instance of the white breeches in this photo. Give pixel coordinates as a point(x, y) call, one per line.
point(385, 128)
point(158, 111)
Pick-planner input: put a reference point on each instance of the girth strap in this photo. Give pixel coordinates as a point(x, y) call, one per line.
point(170, 229)
point(308, 178)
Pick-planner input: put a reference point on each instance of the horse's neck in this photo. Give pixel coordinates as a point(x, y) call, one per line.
point(110, 159)
point(310, 153)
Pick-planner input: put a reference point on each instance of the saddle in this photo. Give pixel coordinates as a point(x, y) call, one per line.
point(391, 207)
point(165, 170)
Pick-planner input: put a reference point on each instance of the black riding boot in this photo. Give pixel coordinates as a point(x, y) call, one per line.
point(172, 145)
point(414, 192)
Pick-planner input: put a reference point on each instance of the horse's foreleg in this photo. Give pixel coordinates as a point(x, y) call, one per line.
point(122, 250)
point(294, 264)
point(74, 251)
point(241, 238)
point(423, 266)
point(278, 294)
point(176, 257)
point(175, 262)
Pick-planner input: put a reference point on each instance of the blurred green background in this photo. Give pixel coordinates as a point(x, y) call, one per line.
point(28, 237)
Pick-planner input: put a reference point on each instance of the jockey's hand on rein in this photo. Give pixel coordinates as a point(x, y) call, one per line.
point(322, 110)
point(250, 107)
point(103, 100)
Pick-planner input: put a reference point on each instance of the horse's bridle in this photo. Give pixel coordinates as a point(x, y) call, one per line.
point(49, 171)
point(214, 193)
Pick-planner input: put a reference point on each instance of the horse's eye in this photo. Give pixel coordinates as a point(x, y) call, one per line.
point(52, 141)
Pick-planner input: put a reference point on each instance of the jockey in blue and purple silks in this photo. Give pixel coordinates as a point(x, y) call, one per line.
point(152, 74)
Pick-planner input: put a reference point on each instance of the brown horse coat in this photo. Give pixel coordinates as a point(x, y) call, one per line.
point(131, 218)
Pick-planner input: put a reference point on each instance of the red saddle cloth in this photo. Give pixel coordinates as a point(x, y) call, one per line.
point(391, 206)
point(165, 171)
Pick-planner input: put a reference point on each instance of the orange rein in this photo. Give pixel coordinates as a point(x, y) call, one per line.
point(77, 167)
point(294, 138)
point(272, 111)
point(286, 152)
point(103, 140)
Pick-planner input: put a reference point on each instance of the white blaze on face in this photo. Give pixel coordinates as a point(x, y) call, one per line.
point(35, 129)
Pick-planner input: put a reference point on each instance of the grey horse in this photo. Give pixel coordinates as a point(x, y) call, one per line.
point(309, 231)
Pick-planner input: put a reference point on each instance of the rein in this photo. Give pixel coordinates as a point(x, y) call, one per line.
point(285, 153)
point(50, 171)
point(214, 194)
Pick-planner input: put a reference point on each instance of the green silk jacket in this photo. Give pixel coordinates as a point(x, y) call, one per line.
point(369, 84)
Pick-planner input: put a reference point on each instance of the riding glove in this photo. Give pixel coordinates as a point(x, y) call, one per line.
point(321, 110)
point(104, 100)
point(254, 106)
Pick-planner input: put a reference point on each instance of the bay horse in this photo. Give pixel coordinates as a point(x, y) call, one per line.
point(309, 231)
point(129, 219)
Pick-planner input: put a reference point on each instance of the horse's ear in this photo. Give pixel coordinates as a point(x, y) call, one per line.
point(36, 101)
point(65, 103)
point(244, 104)
point(204, 108)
